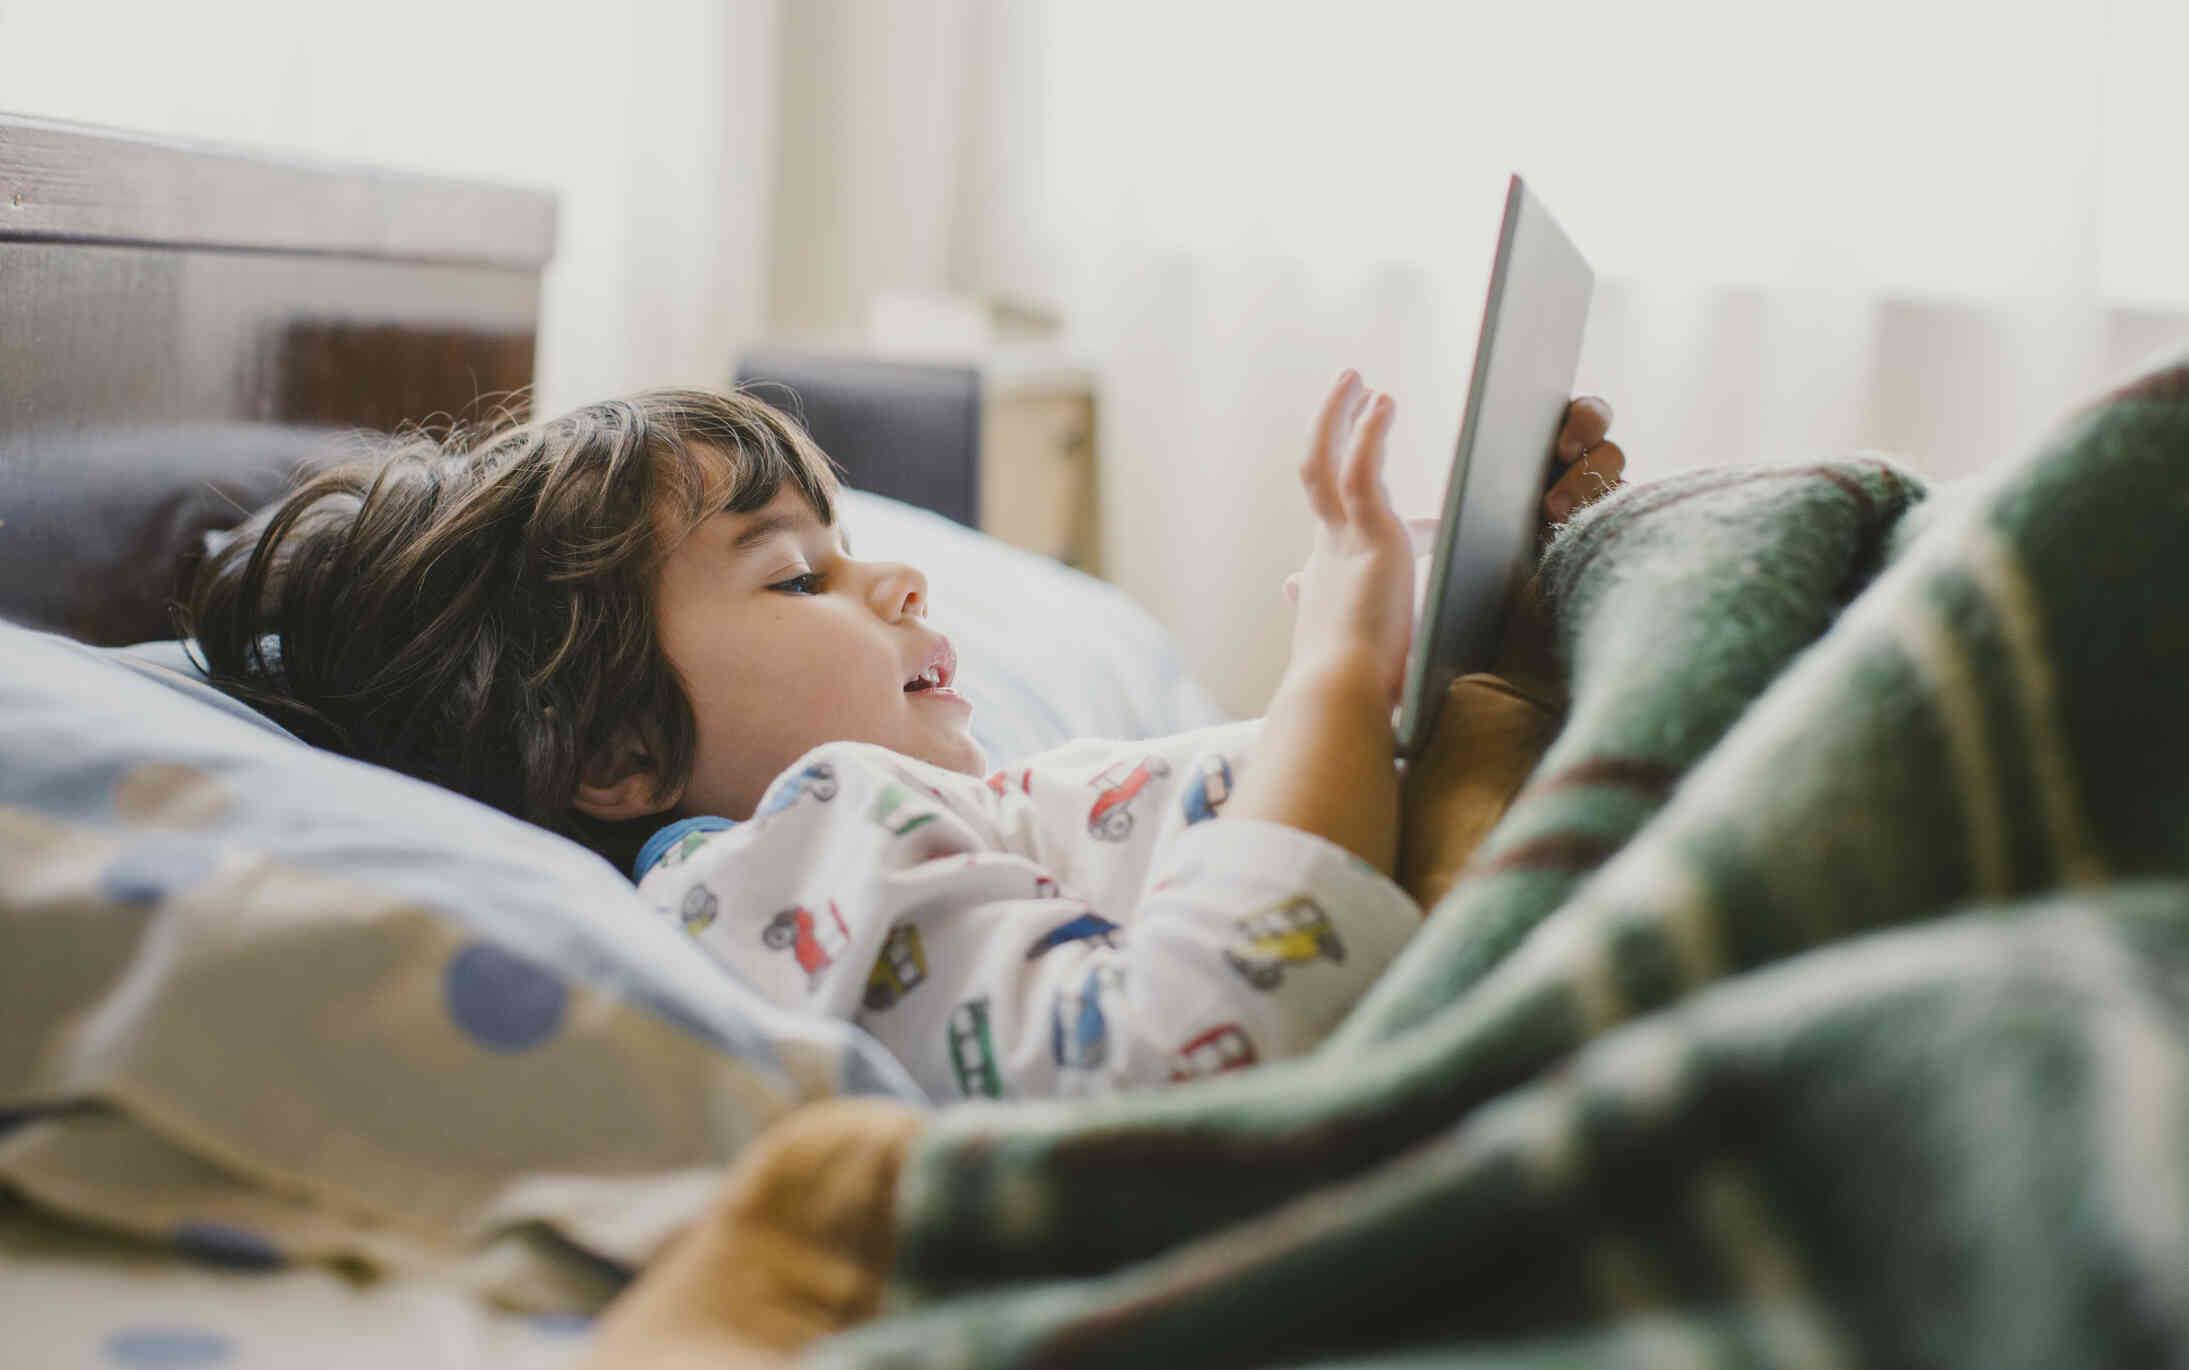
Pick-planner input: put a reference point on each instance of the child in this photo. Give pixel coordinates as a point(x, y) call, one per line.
point(642, 625)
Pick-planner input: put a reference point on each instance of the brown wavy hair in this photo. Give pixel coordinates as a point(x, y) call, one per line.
point(478, 610)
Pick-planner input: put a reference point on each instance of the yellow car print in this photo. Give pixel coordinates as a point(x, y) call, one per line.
point(1290, 933)
point(901, 966)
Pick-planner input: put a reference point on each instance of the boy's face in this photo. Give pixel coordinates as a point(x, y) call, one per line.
point(785, 642)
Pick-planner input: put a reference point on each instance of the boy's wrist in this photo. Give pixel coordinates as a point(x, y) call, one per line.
point(1324, 763)
point(1336, 679)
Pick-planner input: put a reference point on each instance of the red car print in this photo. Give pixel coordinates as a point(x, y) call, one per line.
point(813, 941)
point(1212, 1053)
point(1111, 819)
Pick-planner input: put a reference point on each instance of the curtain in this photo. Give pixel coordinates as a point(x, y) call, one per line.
point(1920, 226)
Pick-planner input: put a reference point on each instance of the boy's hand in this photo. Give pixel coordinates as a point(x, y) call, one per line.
point(1356, 595)
point(1590, 466)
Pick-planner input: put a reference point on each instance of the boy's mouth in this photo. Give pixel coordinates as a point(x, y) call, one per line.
point(939, 670)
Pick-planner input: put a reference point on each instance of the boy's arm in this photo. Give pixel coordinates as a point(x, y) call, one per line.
point(1325, 763)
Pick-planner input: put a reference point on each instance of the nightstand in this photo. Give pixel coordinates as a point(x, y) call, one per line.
point(1039, 485)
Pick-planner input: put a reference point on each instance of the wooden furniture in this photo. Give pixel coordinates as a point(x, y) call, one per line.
point(226, 285)
point(1040, 486)
point(181, 322)
point(186, 326)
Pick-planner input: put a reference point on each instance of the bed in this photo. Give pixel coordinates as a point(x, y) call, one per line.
point(1817, 1000)
point(295, 1051)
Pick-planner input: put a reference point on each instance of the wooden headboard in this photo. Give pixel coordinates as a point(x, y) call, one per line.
point(181, 324)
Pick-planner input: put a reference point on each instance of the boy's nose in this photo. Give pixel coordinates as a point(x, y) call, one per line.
point(900, 592)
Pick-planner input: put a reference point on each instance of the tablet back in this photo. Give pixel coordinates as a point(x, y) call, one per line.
point(1525, 359)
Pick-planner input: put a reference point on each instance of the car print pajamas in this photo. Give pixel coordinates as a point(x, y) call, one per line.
point(1072, 925)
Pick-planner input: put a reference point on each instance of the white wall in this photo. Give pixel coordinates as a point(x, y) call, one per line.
point(653, 121)
point(1938, 229)
point(870, 126)
point(1933, 233)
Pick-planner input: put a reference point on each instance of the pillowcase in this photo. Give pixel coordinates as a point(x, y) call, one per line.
point(267, 1004)
point(1045, 653)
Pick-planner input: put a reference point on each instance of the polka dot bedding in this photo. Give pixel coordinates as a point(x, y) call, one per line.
point(82, 1300)
point(266, 1012)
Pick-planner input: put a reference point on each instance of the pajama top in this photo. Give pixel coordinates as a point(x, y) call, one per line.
point(1074, 924)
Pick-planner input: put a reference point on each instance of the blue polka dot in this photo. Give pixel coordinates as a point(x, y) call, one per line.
point(154, 868)
point(504, 1001)
point(174, 1347)
point(219, 1244)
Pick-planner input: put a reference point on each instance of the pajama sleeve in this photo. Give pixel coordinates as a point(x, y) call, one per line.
point(917, 903)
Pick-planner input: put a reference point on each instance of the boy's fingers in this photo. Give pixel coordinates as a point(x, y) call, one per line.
point(1607, 460)
point(1585, 480)
point(1361, 396)
point(1587, 420)
point(1318, 474)
point(1365, 500)
point(1356, 415)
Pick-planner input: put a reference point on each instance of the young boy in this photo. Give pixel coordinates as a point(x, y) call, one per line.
point(642, 623)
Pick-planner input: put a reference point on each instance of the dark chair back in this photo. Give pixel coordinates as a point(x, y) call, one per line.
point(908, 430)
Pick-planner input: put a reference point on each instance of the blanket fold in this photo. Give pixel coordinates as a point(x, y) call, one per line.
point(1819, 1000)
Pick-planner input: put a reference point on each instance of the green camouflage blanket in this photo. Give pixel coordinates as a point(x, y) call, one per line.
point(1823, 1000)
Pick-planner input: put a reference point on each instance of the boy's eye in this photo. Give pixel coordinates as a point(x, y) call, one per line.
point(807, 584)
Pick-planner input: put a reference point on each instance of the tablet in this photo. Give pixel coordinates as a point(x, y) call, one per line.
point(1525, 358)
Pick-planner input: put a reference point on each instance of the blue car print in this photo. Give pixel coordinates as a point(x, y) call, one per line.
point(818, 780)
point(1078, 929)
point(1210, 787)
point(1079, 1034)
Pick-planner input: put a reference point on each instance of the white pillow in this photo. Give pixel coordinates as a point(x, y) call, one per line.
point(1045, 653)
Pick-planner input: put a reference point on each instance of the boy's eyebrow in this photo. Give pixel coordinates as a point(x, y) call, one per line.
point(768, 525)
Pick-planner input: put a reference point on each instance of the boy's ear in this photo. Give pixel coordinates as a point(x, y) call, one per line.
point(621, 784)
